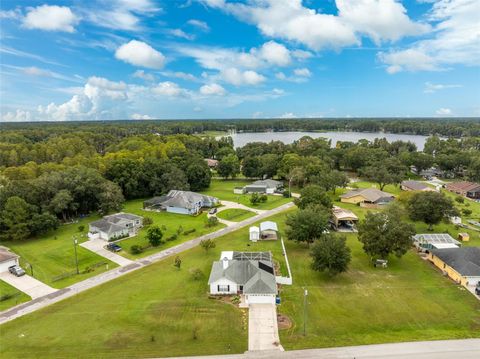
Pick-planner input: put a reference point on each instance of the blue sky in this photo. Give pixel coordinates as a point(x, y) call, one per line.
point(168, 59)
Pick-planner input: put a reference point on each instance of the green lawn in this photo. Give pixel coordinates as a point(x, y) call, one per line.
point(53, 254)
point(170, 224)
point(154, 312)
point(235, 214)
point(223, 189)
point(14, 296)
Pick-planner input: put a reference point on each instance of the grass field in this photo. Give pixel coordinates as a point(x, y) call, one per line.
point(170, 223)
point(223, 189)
point(15, 296)
point(235, 214)
point(408, 301)
point(53, 254)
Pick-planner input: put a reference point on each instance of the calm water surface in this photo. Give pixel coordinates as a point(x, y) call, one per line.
point(241, 139)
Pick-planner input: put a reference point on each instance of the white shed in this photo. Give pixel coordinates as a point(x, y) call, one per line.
point(254, 233)
point(7, 259)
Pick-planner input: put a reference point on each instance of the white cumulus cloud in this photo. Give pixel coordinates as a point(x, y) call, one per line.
point(139, 53)
point(238, 77)
point(50, 18)
point(444, 112)
point(212, 90)
point(275, 53)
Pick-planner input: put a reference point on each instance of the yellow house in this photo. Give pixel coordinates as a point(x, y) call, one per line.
point(462, 265)
point(367, 195)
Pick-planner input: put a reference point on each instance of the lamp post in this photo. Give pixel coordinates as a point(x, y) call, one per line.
point(305, 294)
point(75, 249)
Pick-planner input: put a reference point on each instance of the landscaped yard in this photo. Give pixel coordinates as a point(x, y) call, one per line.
point(11, 296)
point(157, 311)
point(53, 255)
point(185, 227)
point(223, 189)
point(235, 214)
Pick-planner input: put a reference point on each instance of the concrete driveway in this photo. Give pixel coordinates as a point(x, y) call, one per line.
point(26, 284)
point(97, 246)
point(263, 328)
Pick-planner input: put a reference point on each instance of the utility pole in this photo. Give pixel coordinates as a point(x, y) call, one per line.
point(305, 294)
point(75, 249)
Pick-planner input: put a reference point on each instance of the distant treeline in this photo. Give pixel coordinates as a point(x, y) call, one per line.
point(451, 127)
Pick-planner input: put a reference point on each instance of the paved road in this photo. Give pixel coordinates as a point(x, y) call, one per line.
point(442, 349)
point(61, 294)
point(263, 328)
point(97, 246)
point(29, 285)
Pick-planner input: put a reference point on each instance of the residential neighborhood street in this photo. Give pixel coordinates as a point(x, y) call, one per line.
point(47, 299)
point(442, 349)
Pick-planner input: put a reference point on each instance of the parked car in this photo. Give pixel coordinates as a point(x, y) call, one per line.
point(477, 289)
point(212, 211)
point(114, 247)
point(16, 270)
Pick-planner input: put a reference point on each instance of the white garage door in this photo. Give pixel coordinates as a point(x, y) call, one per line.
point(261, 299)
point(4, 265)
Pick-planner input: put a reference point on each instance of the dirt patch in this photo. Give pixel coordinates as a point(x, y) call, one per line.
point(284, 322)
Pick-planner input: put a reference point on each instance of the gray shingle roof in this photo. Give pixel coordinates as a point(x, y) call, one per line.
point(415, 185)
point(370, 194)
point(181, 199)
point(254, 275)
point(465, 260)
point(434, 238)
point(106, 226)
point(269, 183)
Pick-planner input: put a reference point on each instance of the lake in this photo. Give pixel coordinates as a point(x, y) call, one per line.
point(242, 138)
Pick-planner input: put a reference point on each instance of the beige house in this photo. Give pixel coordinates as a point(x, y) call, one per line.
point(367, 197)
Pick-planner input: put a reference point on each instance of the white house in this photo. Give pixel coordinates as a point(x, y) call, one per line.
point(267, 186)
point(181, 202)
point(254, 233)
point(7, 259)
point(249, 273)
point(115, 226)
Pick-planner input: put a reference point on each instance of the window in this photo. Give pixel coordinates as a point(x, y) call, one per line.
point(223, 288)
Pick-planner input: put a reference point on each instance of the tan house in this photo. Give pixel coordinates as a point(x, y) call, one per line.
point(367, 197)
point(460, 264)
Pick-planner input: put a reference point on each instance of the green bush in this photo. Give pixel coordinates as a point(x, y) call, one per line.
point(212, 221)
point(147, 221)
point(172, 237)
point(136, 249)
point(466, 212)
point(185, 233)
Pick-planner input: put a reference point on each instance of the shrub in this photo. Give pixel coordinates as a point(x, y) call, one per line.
point(154, 236)
point(179, 229)
point(136, 249)
point(172, 237)
point(212, 221)
point(207, 244)
point(287, 194)
point(196, 273)
point(147, 221)
point(189, 231)
point(6, 296)
point(460, 199)
point(263, 198)
point(466, 212)
point(81, 228)
point(163, 227)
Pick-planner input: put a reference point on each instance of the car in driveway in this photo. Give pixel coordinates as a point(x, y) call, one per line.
point(212, 211)
point(477, 289)
point(113, 247)
point(16, 270)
